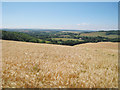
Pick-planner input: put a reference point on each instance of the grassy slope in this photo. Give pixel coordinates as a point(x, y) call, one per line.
point(45, 65)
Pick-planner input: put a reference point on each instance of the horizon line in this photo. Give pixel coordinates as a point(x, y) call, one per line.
point(61, 29)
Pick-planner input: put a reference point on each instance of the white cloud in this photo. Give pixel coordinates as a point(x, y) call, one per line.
point(83, 24)
point(80, 26)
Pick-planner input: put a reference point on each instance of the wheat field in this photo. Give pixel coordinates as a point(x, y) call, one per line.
point(33, 65)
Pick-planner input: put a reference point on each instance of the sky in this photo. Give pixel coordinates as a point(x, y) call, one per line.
point(60, 15)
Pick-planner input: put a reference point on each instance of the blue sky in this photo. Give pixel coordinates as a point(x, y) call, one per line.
point(60, 15)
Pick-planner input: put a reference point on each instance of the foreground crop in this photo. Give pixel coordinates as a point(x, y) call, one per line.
point(32, 65)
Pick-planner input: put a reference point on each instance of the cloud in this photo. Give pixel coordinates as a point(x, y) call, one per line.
point(82, 24)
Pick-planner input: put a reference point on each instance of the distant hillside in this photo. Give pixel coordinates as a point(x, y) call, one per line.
point(109, 34)
point(17, 36)
point(61, 37)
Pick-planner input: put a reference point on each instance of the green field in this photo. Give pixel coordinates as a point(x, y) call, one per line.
point(111, 36)
point(65, 39)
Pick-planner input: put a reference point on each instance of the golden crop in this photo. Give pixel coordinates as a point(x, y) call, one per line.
point(33, 65)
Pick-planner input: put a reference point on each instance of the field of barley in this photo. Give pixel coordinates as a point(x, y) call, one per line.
point(0, 64)
point(33, 65)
